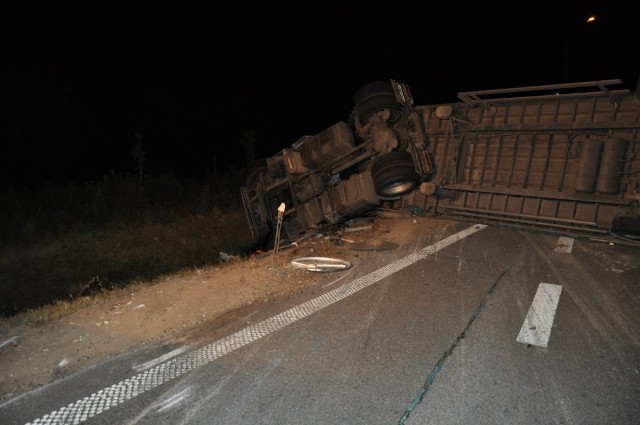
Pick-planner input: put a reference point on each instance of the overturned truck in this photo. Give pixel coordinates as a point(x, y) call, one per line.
point(560, 158)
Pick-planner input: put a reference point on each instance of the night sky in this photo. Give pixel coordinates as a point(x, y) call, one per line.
point(79, 79)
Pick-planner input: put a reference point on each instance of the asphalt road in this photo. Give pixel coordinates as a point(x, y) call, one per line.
point(414, 336)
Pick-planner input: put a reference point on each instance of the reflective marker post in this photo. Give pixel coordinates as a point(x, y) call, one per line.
point(276, 245)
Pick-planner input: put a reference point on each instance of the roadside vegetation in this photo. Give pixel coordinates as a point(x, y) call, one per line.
point(59, 243)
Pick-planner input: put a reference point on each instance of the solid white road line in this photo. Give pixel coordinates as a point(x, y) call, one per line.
point(536, 328)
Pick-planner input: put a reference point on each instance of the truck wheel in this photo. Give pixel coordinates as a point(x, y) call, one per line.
point(394, 174)
point(252, 175)
point(374, 97)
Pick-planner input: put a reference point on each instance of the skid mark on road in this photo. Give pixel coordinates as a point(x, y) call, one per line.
point(163, 405)
point(116, 394)
point(161, 359)
point(422, 392)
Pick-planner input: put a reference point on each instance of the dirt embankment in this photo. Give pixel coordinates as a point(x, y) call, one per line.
point(167, 310)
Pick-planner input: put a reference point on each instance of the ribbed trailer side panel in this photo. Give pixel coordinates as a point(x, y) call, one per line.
point(565, 163)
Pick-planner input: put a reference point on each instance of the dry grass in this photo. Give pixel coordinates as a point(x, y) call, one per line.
point(69, 259)
point(54, 311)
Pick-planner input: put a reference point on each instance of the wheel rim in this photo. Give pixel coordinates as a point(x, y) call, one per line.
point(399, 188)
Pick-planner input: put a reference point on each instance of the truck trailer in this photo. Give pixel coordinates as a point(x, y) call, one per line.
point(562, 159)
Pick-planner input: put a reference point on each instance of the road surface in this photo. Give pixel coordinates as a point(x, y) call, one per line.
point(474, 326)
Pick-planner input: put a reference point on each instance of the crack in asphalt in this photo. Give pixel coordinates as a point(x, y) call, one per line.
point(422, 392)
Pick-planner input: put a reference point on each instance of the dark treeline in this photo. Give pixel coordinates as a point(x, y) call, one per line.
point(36, 212)
point(39, 212)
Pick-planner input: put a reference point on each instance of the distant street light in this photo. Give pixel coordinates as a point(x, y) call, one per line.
point(589, 20)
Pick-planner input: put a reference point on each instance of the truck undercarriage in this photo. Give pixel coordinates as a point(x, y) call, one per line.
point(560, 158)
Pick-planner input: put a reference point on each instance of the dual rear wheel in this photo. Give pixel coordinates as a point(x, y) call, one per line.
point(394, 174)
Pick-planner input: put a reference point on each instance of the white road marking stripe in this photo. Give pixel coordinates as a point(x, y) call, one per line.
point(116, 394)
point(536, 328)
point(155, 362)
point(564, 245)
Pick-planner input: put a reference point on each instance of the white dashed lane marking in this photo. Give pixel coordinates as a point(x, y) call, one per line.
point(564, 245)
point(536, 329)
point(155, 376)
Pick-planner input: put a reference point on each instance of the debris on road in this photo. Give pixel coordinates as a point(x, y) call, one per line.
point(357, 229)
point(374, 245)
point(320, 264)
point(226, 257)
point(13, 341)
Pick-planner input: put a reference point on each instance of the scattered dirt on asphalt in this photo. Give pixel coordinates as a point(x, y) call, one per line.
point(167, 310)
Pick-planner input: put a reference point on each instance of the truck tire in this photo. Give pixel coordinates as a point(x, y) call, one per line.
point(374, 97)
point(394, 174)
point(252, 175)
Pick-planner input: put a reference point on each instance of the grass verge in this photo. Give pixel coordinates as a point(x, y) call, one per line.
point(79, 256)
